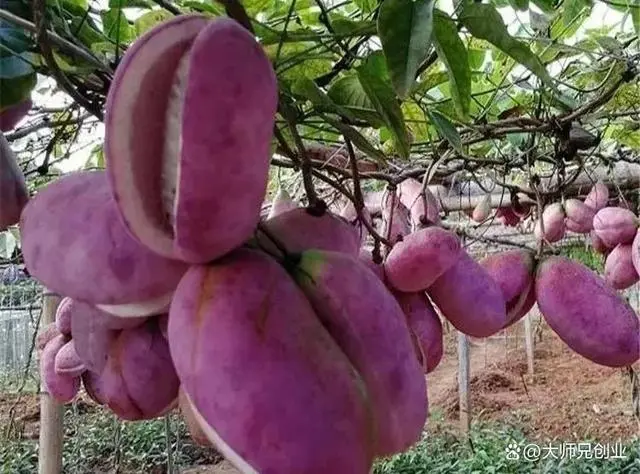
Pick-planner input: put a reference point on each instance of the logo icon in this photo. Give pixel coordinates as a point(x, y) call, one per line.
point(513, 452)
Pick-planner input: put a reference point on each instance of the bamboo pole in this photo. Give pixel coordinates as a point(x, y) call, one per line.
point(463, 383)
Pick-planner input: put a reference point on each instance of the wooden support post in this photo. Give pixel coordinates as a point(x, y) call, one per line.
point(51, 412)
point(528, 342)
point(463, 383)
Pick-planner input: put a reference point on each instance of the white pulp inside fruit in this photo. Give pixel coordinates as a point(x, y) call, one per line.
point(135, 310)
point(173, 140)
point(219, 443)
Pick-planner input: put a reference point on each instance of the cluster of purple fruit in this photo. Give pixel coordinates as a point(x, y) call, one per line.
point(285, 346)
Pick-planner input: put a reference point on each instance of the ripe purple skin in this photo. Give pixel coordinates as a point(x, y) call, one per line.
point(513, 271)
point(586, 313)
point(63, 316)
point(619, 270)
point(206, 161)
point(470, 299)
point(579, 216)
point(261, 371)
point(635, 252)
point(13, 189)
point(11, 116)
point(421, 258)
point(598, 197)
point(67, 361)
point(615, 225)
point(507, 216)
point(423, 208)
point(554, 227)
point(373, 333)
point(367, 258)
point(299, 230)
point(48, 332)
point(395, 218)
point(106, 266)
point(425, 327)
point(63, 388)
point(598, 245)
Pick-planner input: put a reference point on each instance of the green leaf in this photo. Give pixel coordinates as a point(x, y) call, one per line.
point(483, 21)
point(366, 6)
point(522, 5)
point(405, 27)
point(547, 6)
point(573, 8)
point(13, 41)
point(359, 141)
point(8, 244)
point(116, 26)
point(375, 81)
point(16, 66)
point(149, 20)
point(309, 90)
point(348, 93)
point(453, 53)
point(635, 14)
point(16, 89)
point(476, 58)
point(146, 4)
point(445, 128)
point(345, 26)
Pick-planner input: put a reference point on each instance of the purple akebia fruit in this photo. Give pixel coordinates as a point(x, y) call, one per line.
point(423, 207)
point(63, 316)
point(208, 88)
point(598, 197)
point(619, 271)
point(482, 210)
point(67, 361)
point(349, 213)
point(259, 370)
point(425, 327)
point(507, 216)
point(11, 116)
point(421, 258)
point(635, 252)
point(196, 431)
point(598, 245)
point(282, 202)
point(552, 219)
point(45, 335)
point(395, 218)
point(63, 388)
point(586, 313)
point(107, 267)
point(469, 298)
point(367, 258)
point(614, 225)
point(93, 386)
point(13, 189)
point(367, 322)
point(579, 216)
point(514, 272)
point(299, 229)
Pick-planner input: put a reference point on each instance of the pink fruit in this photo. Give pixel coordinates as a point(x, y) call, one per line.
point(102, 263)
point(46, 334)
point(11, 116)
point(299, 230)
point(367, 322)
point(586, 313)
point(470, 299)
point(395, 218)
point(553, 221)
point(367, 258)
point(507, 216)
point(619, 271)
point(598, 245)
point(13, 190)
point(635, 252)
point(282, 202)
point(261, 372)
point(421, 258)
point(423, 207)
point(425, 327)
point(483, 209)
point(93, 386)
point(373, 202)
point(614, 225)
point(349, 213)
point(63, 388)
point(598, 197)
point(579, 216)
point(514, 272)
point(207, 87)
point(67, 361)
point(191, 420)
point(63, 316)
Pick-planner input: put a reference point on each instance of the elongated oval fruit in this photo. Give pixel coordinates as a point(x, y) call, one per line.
point(598, 196)
point(75, 244)
point(299, 230)
point(619, 270)
point(421, 258)
point(425, 326)
point(367, 258)
point(507, 216)
point(92, 384)
point(470, 299)
point(186, 410)
point(45, 335)
point(635, 252)
point(67, 361)
point(282, 202)
point(423, 207)
point(11, 116)
point(260, 371)
point(598, 245)
point(586, 313)
point(482, 210)
point(368, 324)
point(63, 388)
point(579, 216)
point(552, 220)
point(514, 272)
point(63, 316)
point(209, 89)
point(395, 218)
point(13, 189)
point(615, 225)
